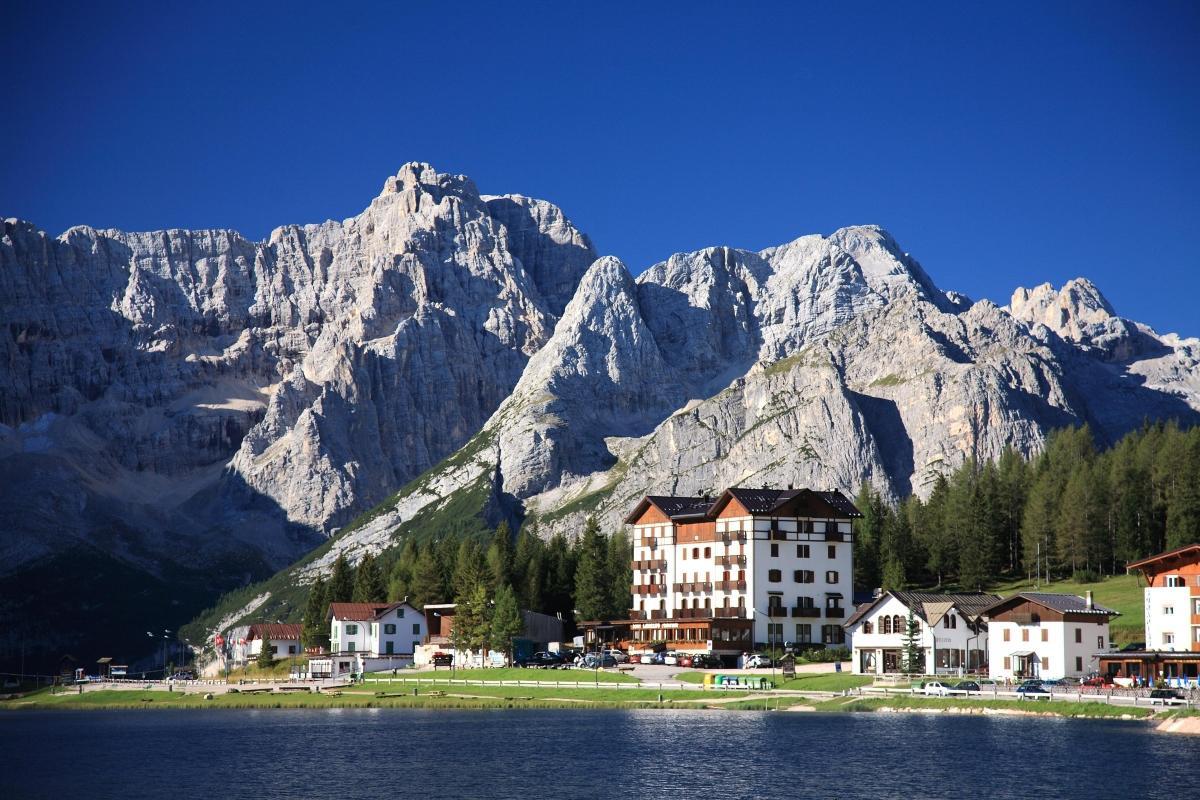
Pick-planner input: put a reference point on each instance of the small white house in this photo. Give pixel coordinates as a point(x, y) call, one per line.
point(285, 639)
point(379, 635)
point(1046, 635)
point(951, 635)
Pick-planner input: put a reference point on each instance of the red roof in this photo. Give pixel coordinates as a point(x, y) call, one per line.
point(360, 611)
point(1187, 553)
point(278, 631)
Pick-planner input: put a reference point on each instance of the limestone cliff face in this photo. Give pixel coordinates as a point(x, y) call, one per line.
point(827, 362)
point(267, 390)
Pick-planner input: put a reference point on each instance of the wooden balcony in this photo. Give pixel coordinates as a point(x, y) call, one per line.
point(730, 561)
point(729, 613)
point(776, 611)
point(806, 611)
point(692, 586)
point(777, 535)
point(648, 588)
point(835, 613)
point(730, 586)
point(834, 536)
point(635, 614)
point(651, 564)
point(733, 536)
point(693, 613)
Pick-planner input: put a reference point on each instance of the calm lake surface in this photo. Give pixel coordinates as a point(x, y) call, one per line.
point(568, 754)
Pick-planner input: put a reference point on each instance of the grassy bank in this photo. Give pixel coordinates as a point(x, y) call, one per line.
point(1060, 709)
point(512, 674)
point(813, 682)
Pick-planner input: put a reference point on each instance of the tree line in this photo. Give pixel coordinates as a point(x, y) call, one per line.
point(585, 579)
point(1072, 510)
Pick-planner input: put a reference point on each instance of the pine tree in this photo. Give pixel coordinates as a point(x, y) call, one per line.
point(400, 581)
point(559, 589)
point(472, 621)
point(530, 570)
point(506, 621)
point(341, 582)
point(868, 535)
point(266, 656)
point(895, 541)
point(620, 575)
point(315, 631)
point(368, 582)
point(912, 661)
point(427, 587)
point(470, 568)
point(592, 582)
point(500, 557)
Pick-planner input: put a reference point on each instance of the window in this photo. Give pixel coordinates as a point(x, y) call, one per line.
point(1024, 634)
point(708, 552)
point(1196, 607)
point(832, 551)
point(803, 576)
point(949, 621)
point(695, 552)
point(803, 602)
point(275, 649)
point(1175, 581)
point(867, 627)
point(885, 624)
point(1006, 636)
point(1168, 638)
point(351, 630)
point(1099, 642)
point(291, 649)
point(831, 576)
point(1079, 635)
point(774, 575)
point(775, 631)
point(898, 624)
point(1045, 635)
point(832, 634)
point(389, 628)
point(801, 551)
point(1169, 611)
point(1078, 663)
point(803, 632)
point(774, 551)
point(350, 647)
point(416, 629)
point(400, 612)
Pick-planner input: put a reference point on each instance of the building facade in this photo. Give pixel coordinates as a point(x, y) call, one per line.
point(284, 637)
point(390, 631)
point(952, 636)
point(1047, 636)
point(1172, 604)
point(748, 569)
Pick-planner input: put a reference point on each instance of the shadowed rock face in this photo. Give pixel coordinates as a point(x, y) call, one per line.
point(255, 394)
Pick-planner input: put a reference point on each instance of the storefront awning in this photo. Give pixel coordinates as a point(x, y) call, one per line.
point(1023, 654)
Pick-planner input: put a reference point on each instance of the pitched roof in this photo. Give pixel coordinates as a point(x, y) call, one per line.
point(1056, 602)
point(931, 606)
point(276, 630)
point(672, 506)
point(1186, 550)
point(768, 501)
point(360, 611)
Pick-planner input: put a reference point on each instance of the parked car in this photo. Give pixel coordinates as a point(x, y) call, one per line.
point(184, 675)
point(635, 658)
point(671, 658)
point(602, 660)
point(653, 658)
point(540, 660)
point(935, 689)
point(618, 655)
point(1032, 689)
point(705, 661)
point(1165, 696)
point(967, 686)
point(1101, 681)
point(684, 660)
point(987, 683)
point(758, 661)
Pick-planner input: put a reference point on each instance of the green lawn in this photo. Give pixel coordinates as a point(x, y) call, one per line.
point(1065, 709)
point(827, 682)
point(513, 674)
point(1121, 593)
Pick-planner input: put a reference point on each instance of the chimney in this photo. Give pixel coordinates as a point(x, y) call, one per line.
point(1090, 604)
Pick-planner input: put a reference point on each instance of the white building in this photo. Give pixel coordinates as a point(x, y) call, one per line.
point(379, 635)
point(284, 636)
point(952, 637)
point(750, 568)
point(1045, 635)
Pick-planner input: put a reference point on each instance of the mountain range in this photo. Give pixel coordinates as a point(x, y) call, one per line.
point(183, 412)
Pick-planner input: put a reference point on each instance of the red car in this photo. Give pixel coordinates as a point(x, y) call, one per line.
point(683, 660)
point(1102, 681)
point(635, 658)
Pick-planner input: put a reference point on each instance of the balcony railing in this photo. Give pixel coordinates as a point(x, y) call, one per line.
point(730, 586)
point(733, 536)
point(777, 535)
point(835, 613)
point(648, 588)
point(649, 564)
point(806, 611)
point(729, 613)
point(731, 561)
point(834, 536)
point(693, 613)
point(635, 614)
point(776, 611)
point(692, 586)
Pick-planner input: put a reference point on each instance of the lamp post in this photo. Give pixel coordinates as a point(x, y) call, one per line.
point(770, 645)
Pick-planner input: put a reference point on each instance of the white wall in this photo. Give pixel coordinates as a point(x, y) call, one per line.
point(372, 637)
point(1159, 623)
point(1060, 648)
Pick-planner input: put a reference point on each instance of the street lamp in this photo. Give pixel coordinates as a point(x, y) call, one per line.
point(770, 645)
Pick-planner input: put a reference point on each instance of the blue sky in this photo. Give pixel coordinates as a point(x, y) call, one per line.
point(1002, 145)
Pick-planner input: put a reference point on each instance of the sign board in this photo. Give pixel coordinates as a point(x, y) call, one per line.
point(708, 645)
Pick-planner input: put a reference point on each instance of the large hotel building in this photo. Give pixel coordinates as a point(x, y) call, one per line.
point(748, 569)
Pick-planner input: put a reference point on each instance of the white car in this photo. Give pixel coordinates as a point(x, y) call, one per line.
point(671, 659)
point(758, 661)
point(936, 689)
point(617, 656)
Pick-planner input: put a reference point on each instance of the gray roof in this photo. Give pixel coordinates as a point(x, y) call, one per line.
point(1059, 602)
point(676, 506)
point(925, 604)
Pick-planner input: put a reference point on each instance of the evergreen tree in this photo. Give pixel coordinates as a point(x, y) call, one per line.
point(868, 534)
point(472, 622)
point(266, 656)
point(620, 575)
point(470, 568)
point(938, 537)
point(530, 570)
point(912, 660)
point(427, 586)
point(341, 582)
point(500, 557)
point(895, 541)
point(400, 581)
point(559, 592)
point(315, 630)
point(592, 581)
point(506, 621)
point(368, 582)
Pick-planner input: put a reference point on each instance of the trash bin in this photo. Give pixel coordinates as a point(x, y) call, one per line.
point(708, 679)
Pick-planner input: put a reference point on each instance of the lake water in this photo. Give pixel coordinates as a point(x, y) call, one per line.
point(691, 755)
